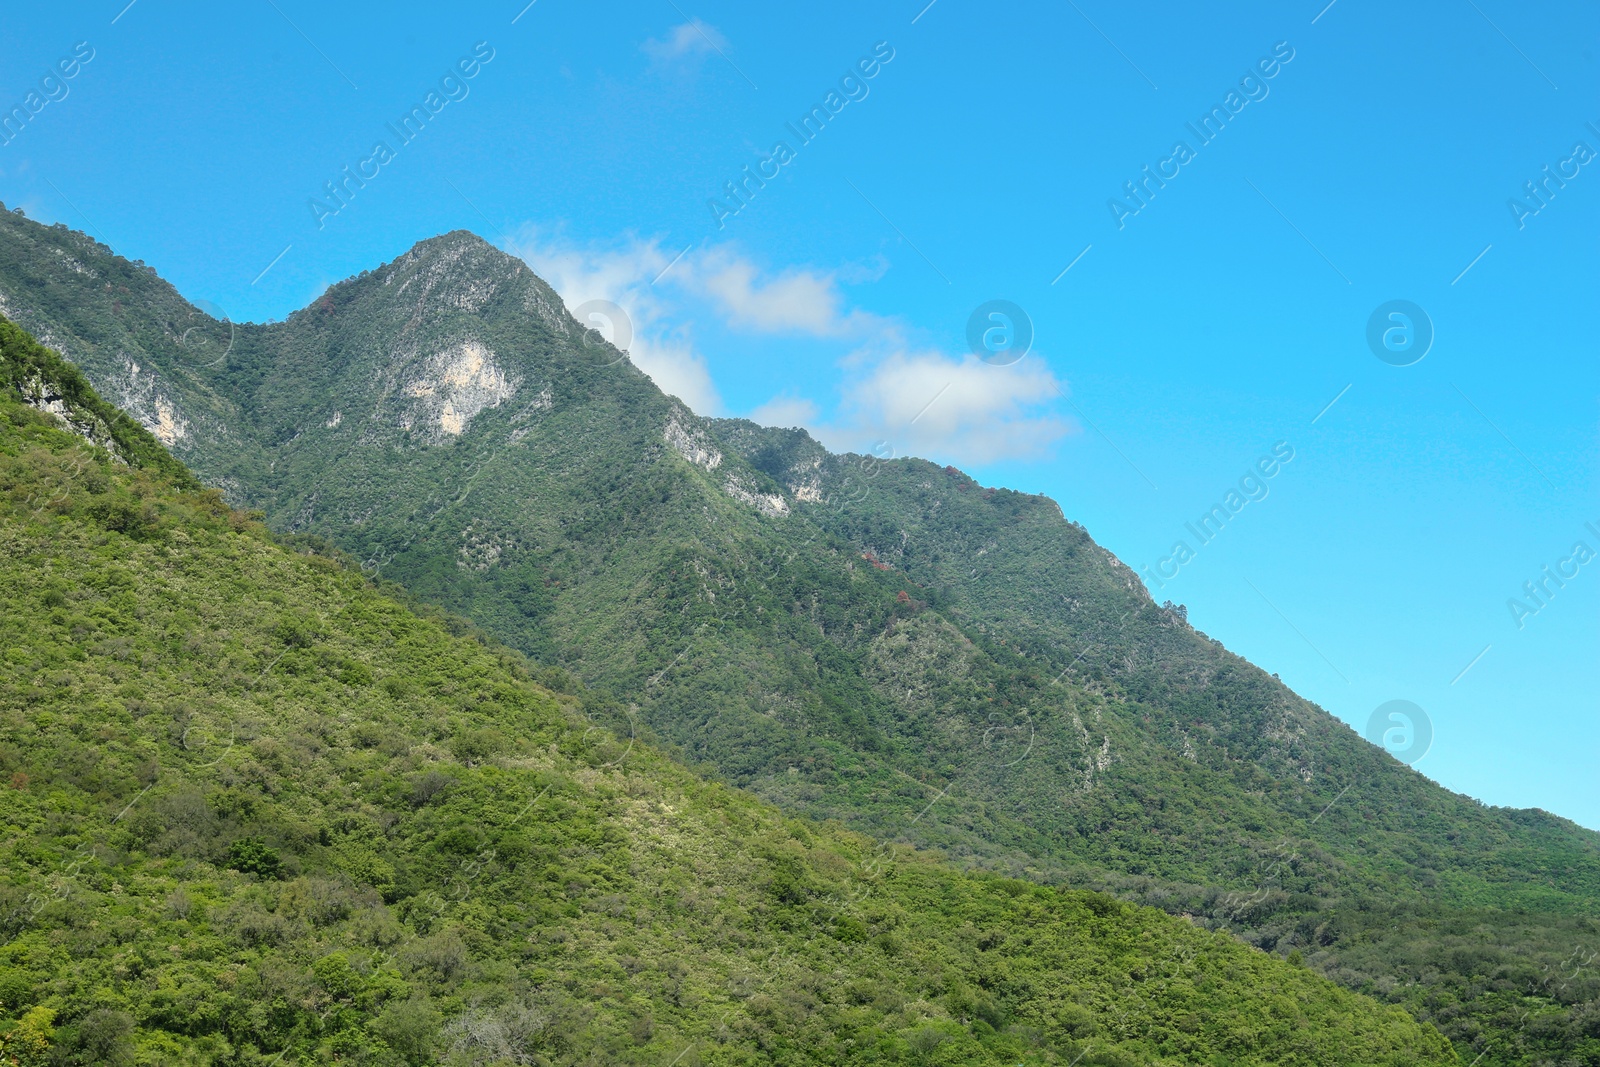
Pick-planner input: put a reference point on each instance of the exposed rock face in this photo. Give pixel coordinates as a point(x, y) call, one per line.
point(692, 444)
point(804, 480)
point(687, 436)
point(452, 386)
point(771, 505)
point(39, 394)
point(138, 390)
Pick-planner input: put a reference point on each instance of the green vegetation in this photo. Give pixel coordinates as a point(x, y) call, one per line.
point(45, 380)
point(902, 650)
point(256, 810)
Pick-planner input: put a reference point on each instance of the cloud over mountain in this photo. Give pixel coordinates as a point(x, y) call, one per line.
point(891, 386)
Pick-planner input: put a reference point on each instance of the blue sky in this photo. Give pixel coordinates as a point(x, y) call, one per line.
point(979, 161)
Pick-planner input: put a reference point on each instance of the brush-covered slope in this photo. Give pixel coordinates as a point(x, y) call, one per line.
point(847, 635)
point(256, 810)
point(884, 642)
point(1215, 754)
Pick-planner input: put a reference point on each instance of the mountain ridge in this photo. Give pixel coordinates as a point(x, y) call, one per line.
point(257, 807)
point(442, 347)
point(862, 653)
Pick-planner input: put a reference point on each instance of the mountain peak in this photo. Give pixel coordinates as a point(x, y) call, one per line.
point(453, 243)
point(447, 275)
point(459, 247)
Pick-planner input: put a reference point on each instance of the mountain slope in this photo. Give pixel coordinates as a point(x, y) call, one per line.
point(844, 635)
point(1247, 740)
point(255, 806)
point(810, 625)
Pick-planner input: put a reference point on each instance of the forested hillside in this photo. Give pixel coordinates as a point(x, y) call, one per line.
point(876, 640)
point(258, 811)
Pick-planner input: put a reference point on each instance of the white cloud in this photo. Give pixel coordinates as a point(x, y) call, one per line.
point(928, 403)
point(661, 345)
point(679, 371)
point(922, 401)
point(797, 301)
point(685, 41)
point(786, 410)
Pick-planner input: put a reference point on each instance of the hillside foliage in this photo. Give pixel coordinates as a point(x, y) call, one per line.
point(256, 811)
point(890, 645)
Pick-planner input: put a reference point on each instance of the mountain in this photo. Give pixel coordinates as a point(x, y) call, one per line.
point(255, 806)
point(876, 640)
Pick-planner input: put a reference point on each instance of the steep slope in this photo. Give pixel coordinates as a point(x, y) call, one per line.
point(844, 635)
point(257, 807)
point(44, 381)
point(133, 336)
point(1210, 732)
point(808, 624)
